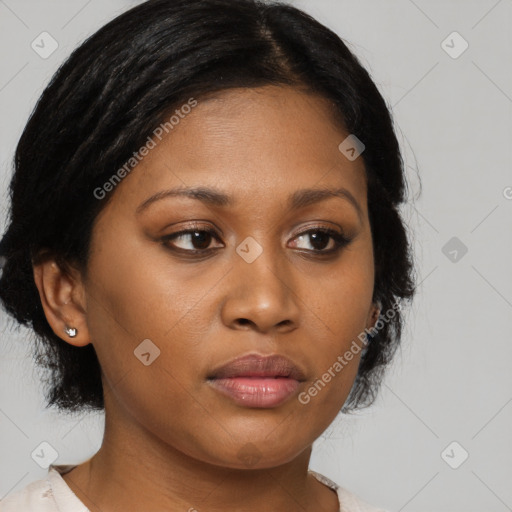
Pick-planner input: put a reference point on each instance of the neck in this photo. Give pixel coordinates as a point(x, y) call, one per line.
point(132, 459)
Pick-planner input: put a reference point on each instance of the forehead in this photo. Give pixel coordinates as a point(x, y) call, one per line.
point(260, 143)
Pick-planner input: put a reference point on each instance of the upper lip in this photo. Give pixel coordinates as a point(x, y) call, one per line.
point(256, 365)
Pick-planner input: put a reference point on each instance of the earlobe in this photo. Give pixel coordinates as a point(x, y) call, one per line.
point(58, 291)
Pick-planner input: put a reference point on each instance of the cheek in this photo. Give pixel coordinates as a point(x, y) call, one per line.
point(137, 294)
point(342, 297)
point(341, 304)
point(337, 349)
point(134, 304)
point(138, 283)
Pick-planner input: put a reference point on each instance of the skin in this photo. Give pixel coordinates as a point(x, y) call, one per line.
point(167, 432)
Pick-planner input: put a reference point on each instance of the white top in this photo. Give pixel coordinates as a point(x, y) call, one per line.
point(52, 494)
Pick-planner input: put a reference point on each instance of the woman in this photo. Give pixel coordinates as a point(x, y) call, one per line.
point(205, 236)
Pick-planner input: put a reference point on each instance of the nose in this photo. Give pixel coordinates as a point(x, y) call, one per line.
point(261, 295)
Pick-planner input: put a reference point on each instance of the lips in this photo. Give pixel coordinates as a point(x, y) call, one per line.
point(254, 365)
point(257, 381)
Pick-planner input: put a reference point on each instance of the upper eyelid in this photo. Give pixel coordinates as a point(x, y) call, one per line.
point(215, 234)
point(214, 231)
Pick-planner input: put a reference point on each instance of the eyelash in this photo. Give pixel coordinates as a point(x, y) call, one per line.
point(340, 240)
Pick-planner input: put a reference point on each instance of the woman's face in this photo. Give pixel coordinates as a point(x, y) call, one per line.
point(265, 281)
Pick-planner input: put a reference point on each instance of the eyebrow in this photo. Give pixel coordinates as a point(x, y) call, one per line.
point(210, 196)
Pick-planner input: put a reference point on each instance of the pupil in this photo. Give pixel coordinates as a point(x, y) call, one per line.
point(319, 239)
point(202, 238)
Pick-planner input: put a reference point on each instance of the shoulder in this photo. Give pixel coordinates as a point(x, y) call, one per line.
point(34, 497)
point(349, 502)
point(50, 494)
point(353, 503)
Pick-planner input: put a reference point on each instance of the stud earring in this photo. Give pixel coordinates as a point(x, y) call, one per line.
point(71, 331)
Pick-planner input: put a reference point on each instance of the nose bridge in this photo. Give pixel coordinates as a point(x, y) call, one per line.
point(262, 289)
point(261, 266)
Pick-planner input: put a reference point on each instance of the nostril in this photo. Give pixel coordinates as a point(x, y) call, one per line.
point(243, 321)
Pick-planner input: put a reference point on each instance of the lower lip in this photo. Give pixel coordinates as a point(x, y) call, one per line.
point(262, 392)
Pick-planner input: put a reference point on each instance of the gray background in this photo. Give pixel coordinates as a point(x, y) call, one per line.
point(451, 381)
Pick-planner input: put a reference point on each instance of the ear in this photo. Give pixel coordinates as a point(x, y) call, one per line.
point(373, 314)
point(63, 300)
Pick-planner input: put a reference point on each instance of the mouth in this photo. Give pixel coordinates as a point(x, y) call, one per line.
point(257, 381)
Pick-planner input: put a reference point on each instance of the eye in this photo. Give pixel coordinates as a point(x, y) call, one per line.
point(322, 240)
point(198, 241)
point(195, 240)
